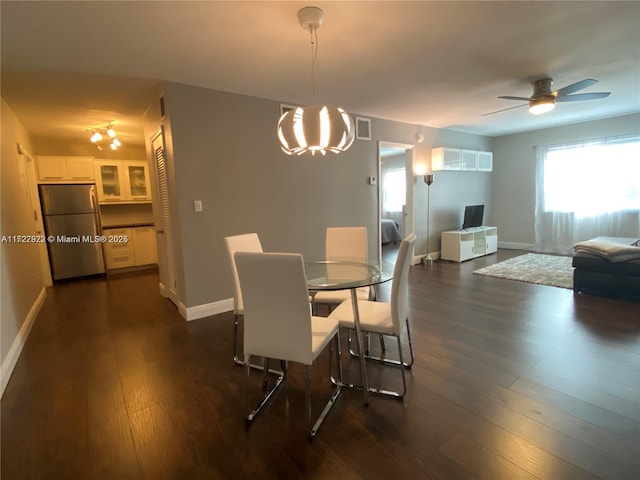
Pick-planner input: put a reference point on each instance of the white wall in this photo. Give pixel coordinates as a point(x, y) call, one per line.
point(514, 167)
point(21, 285)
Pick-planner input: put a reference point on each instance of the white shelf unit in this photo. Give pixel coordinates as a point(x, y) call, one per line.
point(461, 245)
point(445, 158)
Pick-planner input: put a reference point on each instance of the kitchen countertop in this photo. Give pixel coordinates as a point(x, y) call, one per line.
point(127, 225)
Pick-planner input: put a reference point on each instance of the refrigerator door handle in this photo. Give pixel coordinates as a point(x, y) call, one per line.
point(96, 209)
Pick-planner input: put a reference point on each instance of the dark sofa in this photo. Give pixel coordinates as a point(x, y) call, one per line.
point(608, 266)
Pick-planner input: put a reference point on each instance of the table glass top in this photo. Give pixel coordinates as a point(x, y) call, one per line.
point(338, 274)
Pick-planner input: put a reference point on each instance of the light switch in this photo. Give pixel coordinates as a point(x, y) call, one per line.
point(372, 180)
point(197, 206)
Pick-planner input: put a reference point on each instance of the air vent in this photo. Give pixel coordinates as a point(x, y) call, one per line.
point(363, 128)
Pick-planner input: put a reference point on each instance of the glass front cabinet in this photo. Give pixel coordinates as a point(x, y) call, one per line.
point(137, 180)
point(122, 181)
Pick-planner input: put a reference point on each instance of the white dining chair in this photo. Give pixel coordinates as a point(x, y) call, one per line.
point(344, 243)
point(390, 319)
point(248, 242)
point(278, 323)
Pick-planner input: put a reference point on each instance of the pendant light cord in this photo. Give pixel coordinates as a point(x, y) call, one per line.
point(314, 54)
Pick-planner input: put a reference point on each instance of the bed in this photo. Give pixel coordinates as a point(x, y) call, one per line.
point(389, 232)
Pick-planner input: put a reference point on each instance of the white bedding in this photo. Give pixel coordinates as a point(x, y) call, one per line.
point(389, 231)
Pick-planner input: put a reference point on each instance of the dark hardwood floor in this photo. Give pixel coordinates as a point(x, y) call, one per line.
point(511, 381)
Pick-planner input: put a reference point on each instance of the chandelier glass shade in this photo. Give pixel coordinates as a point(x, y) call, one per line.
point(316, 128)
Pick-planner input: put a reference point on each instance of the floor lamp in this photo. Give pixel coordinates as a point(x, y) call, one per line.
point(428, 179)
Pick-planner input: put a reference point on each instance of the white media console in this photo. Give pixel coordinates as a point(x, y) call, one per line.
point(461, 245)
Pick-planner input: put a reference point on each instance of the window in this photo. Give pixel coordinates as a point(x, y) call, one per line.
point(394, 190)
point(593, 177)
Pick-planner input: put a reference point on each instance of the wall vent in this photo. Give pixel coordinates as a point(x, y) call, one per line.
point(363, 128)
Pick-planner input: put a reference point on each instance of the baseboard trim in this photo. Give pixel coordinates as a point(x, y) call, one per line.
point(516, 246)
point(417, 259)
point(11, 359)
point(205, 310)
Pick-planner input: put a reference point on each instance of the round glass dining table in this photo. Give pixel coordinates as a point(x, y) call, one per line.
point(343, 274)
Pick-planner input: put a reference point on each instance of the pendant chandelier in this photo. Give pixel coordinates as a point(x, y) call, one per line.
point(315, 128)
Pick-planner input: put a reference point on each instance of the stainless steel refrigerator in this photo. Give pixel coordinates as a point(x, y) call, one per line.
point(72, 225)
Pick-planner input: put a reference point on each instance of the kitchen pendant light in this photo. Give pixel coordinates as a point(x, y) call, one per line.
point(315, 128)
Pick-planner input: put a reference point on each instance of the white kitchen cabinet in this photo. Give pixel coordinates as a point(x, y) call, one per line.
point(118, 248)
point(122, 181)
point(137, 180)
point(109, 180)
point(144, 245)
point(65, 169)
point(130, 247)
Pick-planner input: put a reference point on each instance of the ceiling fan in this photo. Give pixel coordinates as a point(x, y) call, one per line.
point(544, 100)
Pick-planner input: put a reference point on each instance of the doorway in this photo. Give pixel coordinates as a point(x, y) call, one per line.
point(395, 196)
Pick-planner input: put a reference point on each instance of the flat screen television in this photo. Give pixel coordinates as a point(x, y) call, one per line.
point(473, 216)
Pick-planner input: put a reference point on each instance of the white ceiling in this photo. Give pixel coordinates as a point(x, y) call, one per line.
point(67, 66)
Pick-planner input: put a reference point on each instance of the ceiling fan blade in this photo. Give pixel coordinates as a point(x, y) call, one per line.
point(505, 109)
point(507, 97)
point(583, 96)
point(574, 87)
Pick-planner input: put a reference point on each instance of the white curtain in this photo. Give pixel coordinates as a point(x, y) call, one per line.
point(587, 189)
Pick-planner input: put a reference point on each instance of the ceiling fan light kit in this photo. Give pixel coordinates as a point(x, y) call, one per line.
point(315, 128)
point(544, 100)
point(542, 105)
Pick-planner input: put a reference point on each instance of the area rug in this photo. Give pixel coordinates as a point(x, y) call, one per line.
point(537, 268)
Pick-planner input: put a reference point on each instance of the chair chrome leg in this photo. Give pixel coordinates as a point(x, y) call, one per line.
point(247, 384)
point(354, 354)
point(236, 360)
point(307, 395)
point(410, 344)
point(382, 359)
point(332, 399)
point(404, 380)
point(267, 396)
point(396, 363)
